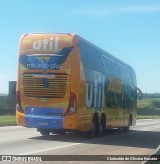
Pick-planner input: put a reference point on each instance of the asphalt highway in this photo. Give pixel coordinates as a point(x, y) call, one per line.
point(142, 139)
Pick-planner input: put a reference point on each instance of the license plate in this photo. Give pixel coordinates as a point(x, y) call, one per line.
point(43, 123)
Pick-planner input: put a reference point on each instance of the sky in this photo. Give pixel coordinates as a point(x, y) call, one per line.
point(127, 29)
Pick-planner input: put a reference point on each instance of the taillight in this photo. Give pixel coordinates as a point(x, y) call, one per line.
point(72, 104)
point(18, 102)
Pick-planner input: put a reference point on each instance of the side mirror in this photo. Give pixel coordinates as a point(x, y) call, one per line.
point(139, 94)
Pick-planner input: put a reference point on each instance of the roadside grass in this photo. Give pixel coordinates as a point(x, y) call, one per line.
point(7, 120)
point(147, 116)
point(148, 108)
point(147, 103)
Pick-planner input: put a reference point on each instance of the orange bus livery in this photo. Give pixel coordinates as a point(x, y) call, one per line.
point(66, 83)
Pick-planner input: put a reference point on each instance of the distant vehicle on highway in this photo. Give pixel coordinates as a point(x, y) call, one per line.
point(66, 83)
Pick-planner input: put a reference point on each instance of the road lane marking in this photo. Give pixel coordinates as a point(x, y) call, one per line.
point(88, 141)
point(48, 149)
point(75, 144)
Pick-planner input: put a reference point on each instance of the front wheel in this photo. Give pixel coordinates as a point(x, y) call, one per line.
point(129, 124)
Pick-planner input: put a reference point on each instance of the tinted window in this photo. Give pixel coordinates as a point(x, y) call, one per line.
point(134, 78)
point(91, 57)
point(98, 60)
point(113, 67)
point(128, 75)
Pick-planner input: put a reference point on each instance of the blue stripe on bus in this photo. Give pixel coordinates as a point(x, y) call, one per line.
point(46, 118)
point(43, 111)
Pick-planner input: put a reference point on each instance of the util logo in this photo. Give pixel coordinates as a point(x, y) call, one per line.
point(95, 95)
point(51, 43)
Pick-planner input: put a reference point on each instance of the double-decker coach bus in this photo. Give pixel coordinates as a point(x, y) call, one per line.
point(66, 83)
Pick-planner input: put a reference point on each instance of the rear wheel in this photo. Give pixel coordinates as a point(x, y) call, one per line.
point(60, 132)
point(102, 126)
point(95, 126)
point(44, 132)
point(95, 129)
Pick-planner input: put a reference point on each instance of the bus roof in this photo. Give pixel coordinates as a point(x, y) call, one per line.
point(86, 41)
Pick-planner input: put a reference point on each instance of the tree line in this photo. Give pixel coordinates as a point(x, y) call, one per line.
point(151, 95)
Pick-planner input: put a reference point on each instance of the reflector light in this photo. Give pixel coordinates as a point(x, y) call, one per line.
point(18, 102)
point(72, 105)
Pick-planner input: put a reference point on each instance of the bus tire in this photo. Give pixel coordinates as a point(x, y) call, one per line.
point(126, 128)
point(95, 126)
point(93, 131)
point(129, 124)
point(44, 132)
point(102, 126)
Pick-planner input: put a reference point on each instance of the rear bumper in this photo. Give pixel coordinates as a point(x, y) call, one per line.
point(43, 122)
point(44, 118)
